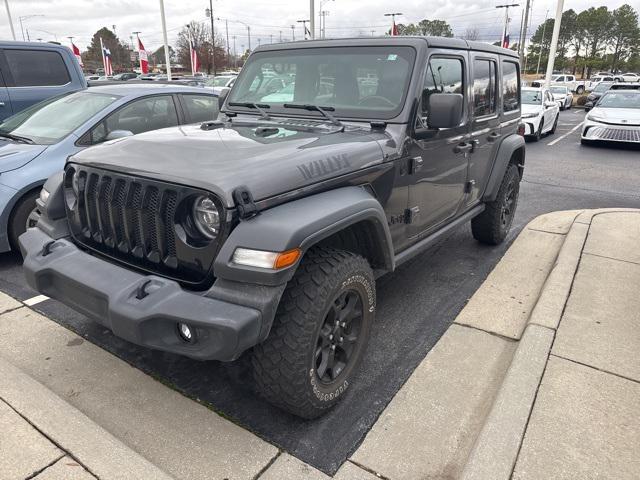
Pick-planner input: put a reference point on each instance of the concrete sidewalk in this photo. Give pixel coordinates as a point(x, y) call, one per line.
point(539, 377)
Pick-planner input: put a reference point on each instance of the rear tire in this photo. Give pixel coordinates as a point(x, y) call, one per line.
point(319, 334)
point(493, 224)
point(580, 90)
point(19, 217)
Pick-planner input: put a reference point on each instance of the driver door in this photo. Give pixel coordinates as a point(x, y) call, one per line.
point(439, 164)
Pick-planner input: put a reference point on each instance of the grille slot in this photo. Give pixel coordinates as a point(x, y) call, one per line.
point(133, 220)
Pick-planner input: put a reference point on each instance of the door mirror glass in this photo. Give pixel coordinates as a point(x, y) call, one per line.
point(445, 110)
point(115, 134)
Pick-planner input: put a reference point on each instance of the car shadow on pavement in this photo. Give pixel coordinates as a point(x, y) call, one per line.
point(416, 305)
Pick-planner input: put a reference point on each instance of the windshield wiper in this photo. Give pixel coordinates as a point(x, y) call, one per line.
point(17, 138)
point(315, 108)
point(259, 107)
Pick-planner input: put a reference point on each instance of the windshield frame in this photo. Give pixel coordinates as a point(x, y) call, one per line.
point(33, 109)
point(344, 113)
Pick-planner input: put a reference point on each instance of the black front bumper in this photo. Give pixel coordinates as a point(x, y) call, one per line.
point(108, 294)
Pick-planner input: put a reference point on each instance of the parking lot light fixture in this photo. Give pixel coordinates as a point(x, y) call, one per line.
point(13, 32)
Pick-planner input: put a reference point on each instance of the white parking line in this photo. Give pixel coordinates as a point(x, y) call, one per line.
point(561, 137)
point(35, 300)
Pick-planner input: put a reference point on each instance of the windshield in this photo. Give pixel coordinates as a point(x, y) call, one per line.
point(360, 82)
point(218, 81)
point(601, 87)
point(560, 90)
point(50, 121)
point(613, 99)
point(532, 97)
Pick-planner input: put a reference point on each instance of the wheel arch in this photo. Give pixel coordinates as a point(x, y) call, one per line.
point(8, 211)
point(511, 151)
point(340, 218)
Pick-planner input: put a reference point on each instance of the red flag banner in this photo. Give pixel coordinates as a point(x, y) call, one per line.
point(76, 52)
point(195, 61)
point(394, 29)
point(144, 60)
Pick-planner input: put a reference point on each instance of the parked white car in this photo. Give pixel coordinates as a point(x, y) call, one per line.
point(630, 77)
point(597, 79)
point(615, 118)
point(540, 112)
point(562, 95)
point(569, 81)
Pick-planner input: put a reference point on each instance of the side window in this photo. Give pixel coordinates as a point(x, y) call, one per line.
point(150, 113)
point(570, 78)
point(510, 87)
point(200, 108)
point(444, 75)
point(484, 87)
point(36, 68)
point(560, 79)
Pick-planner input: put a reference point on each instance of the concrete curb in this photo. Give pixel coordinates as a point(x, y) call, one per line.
point(496, 448)
point(95, 448)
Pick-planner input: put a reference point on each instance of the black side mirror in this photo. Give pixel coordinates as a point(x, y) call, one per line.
point(222, 97)
point(445, 110)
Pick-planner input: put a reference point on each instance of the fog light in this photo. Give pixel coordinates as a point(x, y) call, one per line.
point(186, 333)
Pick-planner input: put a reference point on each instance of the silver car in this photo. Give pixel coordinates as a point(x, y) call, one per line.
point(35, 143)
point(615, 118)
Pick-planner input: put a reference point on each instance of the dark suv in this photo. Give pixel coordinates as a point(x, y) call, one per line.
point(266, 229)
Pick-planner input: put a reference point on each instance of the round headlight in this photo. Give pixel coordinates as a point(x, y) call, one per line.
point(206, 217)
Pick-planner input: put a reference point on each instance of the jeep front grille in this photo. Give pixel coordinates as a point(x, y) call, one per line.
point(135, 220)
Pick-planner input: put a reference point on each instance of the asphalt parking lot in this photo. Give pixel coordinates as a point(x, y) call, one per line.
point(416, 304)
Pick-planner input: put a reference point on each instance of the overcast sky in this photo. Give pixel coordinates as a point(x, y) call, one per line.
point(268, 18)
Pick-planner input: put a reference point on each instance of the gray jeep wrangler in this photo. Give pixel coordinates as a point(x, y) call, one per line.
point(331, 163)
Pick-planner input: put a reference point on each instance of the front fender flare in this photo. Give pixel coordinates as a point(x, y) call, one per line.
point(302, 224)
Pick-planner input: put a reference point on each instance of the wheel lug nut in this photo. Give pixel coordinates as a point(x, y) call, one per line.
point(333, 347)
point(341, 339)
point(331, 337)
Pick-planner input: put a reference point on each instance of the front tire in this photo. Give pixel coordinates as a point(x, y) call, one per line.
point(555, 125)
point(319, 334)
point(20, 217)
point(538, 135)
point(493, 224)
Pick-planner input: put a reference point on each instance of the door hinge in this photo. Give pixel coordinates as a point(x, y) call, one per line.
point(244, 202)
point(468, 187)
point(411, 214)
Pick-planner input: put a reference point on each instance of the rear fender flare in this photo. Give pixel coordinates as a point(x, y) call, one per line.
point(509, 146)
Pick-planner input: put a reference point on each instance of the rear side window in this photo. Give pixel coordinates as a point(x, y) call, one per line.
point(484, 87)
point(36, 68)
point(200, 108)
point(510, 87)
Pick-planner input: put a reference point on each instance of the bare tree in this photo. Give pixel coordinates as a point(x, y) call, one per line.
point(471, 33)
point(201, 35)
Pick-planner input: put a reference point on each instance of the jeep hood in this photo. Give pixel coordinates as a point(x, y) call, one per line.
point(15, 155)
point(266, 159)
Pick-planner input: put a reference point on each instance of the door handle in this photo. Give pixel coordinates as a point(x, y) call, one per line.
point(463, 148)
point(1, 104)
point(493, 137)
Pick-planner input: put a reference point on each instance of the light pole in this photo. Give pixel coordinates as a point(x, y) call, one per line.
point(505, 32)
point(304, 26)
point(22, 19)
point(393, 20)
point(293, 32)
point(322, 18)
point(213, 38)
point(544, 30)
point(312, 20)
point(167, 60)
point(554, 42)
point(13, 32)
point(235, 54)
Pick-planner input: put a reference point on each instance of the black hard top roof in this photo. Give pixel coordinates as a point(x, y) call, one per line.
point(418, 42)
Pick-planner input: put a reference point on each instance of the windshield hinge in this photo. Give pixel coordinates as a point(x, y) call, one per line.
point(244, 202)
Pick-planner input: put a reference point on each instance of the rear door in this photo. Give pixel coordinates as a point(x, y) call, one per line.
point(32, 75)
point(485, 127)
